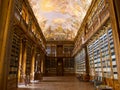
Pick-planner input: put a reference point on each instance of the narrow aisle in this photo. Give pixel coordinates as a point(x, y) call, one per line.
point(59, 83)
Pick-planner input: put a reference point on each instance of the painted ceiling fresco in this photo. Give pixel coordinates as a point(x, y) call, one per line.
point(60, 19)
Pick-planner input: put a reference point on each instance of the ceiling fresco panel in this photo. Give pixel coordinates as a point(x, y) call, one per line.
point(60, 19)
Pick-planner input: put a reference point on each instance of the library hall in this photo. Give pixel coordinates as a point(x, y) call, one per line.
point(59, 45)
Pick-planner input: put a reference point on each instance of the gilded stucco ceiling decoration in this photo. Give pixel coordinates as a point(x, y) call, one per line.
point(60, 19)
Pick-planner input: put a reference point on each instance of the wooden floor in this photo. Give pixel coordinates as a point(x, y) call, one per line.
point(59, 83)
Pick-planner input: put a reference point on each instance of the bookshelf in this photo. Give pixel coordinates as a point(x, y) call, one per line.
point(29, 58)
point(80, 62)
point(102, 60)
point(68, 64)
point(14, 57)
point(112, 53)
point(51, 64)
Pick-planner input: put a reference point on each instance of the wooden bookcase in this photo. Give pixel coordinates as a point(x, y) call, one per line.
point(29, 58)
point(102, 59)
point(68, 64)
point(14, 60)
point(80, 62)
point(51, 64)
point(15, 50)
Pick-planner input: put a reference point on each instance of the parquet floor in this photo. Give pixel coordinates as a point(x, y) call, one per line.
point(59, 83)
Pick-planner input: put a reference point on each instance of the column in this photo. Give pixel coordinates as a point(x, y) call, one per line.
point(43, 63)
point(117, 11)
point(87, 77)
point(116, 35)
point(24, 57)
point(87, 61)
point(6, 8)
point(20, 61)
point(33, 63)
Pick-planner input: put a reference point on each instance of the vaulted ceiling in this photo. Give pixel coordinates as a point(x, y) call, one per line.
point(60, 19)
